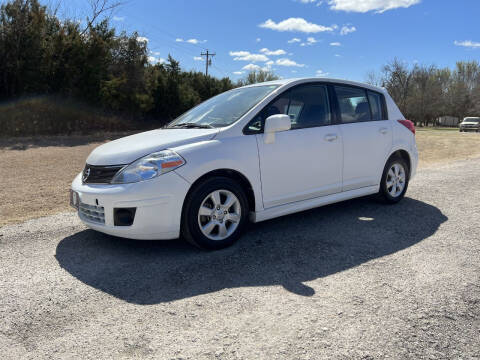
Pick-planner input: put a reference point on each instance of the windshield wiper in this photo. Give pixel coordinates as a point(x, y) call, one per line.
point(192, 126)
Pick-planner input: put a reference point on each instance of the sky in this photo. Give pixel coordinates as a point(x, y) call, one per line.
point(303, 38)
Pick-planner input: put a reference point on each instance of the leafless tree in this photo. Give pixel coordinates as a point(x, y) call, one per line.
point(100, 8)
point(374, 78)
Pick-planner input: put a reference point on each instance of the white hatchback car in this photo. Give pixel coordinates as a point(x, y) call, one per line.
point(252, 153)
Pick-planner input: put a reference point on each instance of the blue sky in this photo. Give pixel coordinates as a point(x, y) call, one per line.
point(337, 38)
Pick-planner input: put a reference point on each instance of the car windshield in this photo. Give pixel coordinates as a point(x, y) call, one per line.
point(224, 109)
point(472, 120)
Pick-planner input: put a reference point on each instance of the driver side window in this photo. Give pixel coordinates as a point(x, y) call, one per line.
point(279, 106)
point(306, 105)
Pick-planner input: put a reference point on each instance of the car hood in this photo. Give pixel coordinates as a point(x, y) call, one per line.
point(470, 123)
point(131, 148)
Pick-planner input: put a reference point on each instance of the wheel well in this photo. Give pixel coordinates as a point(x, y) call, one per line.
point(403, 155)
point(234, 175)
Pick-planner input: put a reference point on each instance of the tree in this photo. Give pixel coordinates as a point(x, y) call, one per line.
point(258, 76)
point(397, 78)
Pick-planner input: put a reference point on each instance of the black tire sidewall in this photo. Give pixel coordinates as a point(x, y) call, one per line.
point(191, 229)
point(383, 185)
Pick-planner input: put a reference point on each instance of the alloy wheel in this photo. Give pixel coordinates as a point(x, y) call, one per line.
point(396, 179)
point(219, 214)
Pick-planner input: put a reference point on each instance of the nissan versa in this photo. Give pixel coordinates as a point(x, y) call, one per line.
point(250, 154)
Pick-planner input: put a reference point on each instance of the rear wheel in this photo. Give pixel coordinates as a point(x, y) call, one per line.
point(395, 179)
point(215, 213)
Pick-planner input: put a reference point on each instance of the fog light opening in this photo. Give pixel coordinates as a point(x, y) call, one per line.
point(124, 216)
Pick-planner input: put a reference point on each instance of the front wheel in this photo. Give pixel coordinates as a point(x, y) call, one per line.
point(215, 213)
point(394, 180)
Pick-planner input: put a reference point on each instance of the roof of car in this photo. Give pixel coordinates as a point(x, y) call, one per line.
point(282, 82)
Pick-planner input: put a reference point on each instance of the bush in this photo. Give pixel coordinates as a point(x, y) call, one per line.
point(52, 115)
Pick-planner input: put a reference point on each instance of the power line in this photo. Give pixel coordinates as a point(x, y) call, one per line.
point(208, 61)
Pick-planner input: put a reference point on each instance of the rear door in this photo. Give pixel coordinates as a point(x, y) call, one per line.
point(367, 135)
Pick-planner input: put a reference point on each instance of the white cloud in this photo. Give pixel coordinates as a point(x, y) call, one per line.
point(467, 43)
point(288, 62)
point(251, 67)
point(156, 53)
point(258, 40)
point(273, 52)
point(254, 67)
point(321, 73)
point(335, 44)
point(294, 40)
point(118, 18)
point(191, 41)
point(338, 55)
point(347, 30)
point(310, 41)
point(155, 60)
point(269, 63)
point(364, 6)
point(239, 53)
point(238, 72)
point(295, 24)
point(197, 58)
point(142, 39)
point(247, 56)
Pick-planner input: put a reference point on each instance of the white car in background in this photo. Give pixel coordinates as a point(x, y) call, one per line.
point(470, 124)
point(250, 154)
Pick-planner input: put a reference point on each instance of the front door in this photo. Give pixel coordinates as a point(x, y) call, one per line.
point(306, 161)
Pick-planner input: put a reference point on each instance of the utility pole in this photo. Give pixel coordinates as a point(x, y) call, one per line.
point(208, 62)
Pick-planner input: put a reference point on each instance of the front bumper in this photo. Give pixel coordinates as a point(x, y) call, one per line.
point(158, 204)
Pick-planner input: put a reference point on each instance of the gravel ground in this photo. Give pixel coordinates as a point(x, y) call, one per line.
point(356, 280)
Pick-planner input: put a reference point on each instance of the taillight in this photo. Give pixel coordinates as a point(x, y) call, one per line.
point(408, 124)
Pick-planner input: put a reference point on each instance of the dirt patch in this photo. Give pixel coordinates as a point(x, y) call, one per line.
point(36, 173)
point(443, 146)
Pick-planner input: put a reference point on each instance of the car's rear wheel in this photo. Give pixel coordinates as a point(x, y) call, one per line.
point(215, 213)
point(395, 179)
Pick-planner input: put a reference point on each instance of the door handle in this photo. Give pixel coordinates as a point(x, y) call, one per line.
point(331, 137)
point(383, 130)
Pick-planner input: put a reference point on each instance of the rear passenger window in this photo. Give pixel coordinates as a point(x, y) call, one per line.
point(353, 104)
point(376, 105)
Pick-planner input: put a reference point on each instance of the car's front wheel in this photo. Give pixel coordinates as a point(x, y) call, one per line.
point(394, 180)
point(215, 213)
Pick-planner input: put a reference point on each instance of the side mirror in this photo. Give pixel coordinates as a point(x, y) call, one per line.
point(275, 123)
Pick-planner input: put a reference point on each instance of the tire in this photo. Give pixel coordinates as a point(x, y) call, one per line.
point(206, 221)
point(393, 190)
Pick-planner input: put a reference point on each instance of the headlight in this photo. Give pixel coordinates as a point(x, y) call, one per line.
point(149, 167)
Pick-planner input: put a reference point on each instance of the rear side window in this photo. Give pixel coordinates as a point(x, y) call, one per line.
point(376, 104)
point(306, 105)
point(353, 103)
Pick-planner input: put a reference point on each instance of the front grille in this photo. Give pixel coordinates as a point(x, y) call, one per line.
point(92, 213)
point(93, 174)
